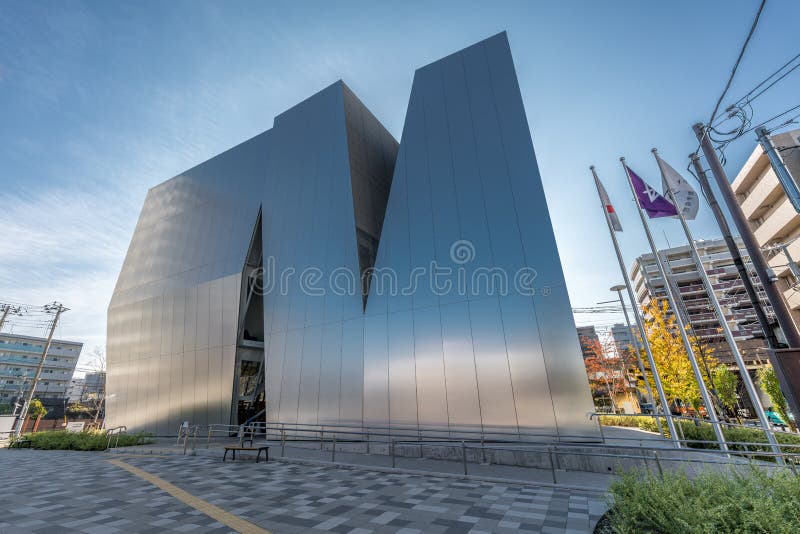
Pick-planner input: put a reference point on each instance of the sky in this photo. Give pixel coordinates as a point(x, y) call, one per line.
point(100, 101)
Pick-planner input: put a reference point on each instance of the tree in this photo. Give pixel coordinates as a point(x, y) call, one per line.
point(607, 371)
point(727, 387)
point(768, 381)
point(670, 355)
point(37, 410)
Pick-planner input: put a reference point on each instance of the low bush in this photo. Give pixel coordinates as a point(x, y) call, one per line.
point(701, 435)
point(713, 502)
point(88, 440)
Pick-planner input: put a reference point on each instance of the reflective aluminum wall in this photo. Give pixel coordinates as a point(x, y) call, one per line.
point(465, 322)
point(465, 194)
point(172, 321)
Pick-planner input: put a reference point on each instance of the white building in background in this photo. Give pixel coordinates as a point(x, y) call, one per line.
point(75, 390)
point(772, 217)
point(20, 356)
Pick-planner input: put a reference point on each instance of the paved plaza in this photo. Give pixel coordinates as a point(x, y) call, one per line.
point(65, 491)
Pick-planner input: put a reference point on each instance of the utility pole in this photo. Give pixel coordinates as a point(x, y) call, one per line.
point(753, 248)
point(784, 177)
point(8, 309)
point(59, 309)
point(736, 255)
point(789, 385)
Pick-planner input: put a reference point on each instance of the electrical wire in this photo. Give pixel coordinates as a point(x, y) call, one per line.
point(738, 61)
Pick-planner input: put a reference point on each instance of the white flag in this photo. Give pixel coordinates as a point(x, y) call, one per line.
point(686, 199)
point(610, 211)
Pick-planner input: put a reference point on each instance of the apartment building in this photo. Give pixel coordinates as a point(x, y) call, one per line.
point(695, 303)
point(20, 356)
point(773, 219)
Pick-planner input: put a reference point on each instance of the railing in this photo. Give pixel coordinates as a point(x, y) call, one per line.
point(185, 432)
point(116, 431)
point(552, 451)
point(555, 456)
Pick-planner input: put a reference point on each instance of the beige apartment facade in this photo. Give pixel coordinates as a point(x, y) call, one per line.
point(773, 219)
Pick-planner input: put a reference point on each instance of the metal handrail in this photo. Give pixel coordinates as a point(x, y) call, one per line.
point(115, 431)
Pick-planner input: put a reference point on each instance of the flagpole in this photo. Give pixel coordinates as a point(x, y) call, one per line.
point(640, 323)
point(737, 355)
point(712, 413)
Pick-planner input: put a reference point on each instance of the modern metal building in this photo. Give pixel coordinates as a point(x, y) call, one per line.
point(329, 275)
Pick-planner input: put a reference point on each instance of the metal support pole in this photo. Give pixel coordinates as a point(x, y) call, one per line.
point(283, 441)
point(59, 309)
point(552, 464)
point(782, 314)
point(673, 302)
point(736, 255)
point(391, 446)
point(619, 289)
point(753, 249)
point(464, 455)
point(726, 330)
point(637, 314)
point(658, 463)
point(784, 177)
point(333, 450)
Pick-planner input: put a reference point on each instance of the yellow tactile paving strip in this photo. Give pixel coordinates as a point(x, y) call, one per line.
point(233, 521)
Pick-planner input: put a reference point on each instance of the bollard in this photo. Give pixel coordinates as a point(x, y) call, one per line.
point(552, 464)
point(464, 456)
point(658, 463)
point(392, 447)
point(283, 441)
point(333, 450)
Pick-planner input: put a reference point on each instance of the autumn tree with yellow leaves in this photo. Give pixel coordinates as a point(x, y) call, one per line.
point(670, 356)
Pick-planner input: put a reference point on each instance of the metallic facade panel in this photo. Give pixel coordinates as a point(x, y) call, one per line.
point(430, 371)
point(463, 396)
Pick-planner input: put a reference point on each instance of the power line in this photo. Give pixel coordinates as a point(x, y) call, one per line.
point(738, 61)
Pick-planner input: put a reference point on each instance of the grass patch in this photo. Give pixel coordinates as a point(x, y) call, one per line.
point(88, 440)
point(713, 502)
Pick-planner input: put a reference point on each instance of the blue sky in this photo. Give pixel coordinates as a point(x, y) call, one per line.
point(101, 100)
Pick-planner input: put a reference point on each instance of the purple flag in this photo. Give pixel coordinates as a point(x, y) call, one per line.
point(649, 199)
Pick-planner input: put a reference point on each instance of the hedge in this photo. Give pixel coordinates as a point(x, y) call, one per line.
point(755, 501)
point(695, 434)
point(88, 440)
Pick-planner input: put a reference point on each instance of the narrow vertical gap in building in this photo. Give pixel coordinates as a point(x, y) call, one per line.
point(249, 398)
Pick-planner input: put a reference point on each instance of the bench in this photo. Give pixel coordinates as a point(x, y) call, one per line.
point(234, 448)
point(20, 443)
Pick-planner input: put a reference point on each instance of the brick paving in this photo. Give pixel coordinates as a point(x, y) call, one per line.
point(62, 491)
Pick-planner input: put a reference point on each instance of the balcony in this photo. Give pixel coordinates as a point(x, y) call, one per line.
point(764, 192)
point(777, 223)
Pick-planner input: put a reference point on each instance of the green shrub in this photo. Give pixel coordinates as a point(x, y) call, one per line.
point(702, 436)
point(88, 440)
point(713, 502)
